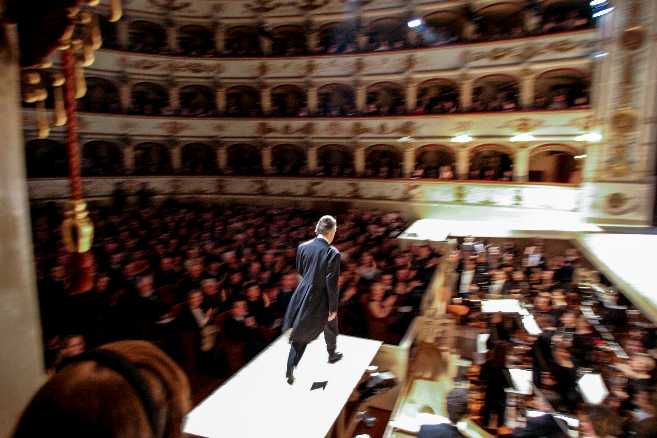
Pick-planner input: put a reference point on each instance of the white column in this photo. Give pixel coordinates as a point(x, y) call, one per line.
point(312, 158)
point(527, 87)
point(359, 159)
point(411, 94)
point(172, 36)
point(21, 367)
point(125, 92)
point(361, 96)
point(465, 94)
point(175, 149)
point(222, 156)
point(128, 155)
point(265, 98)
point(409, 159)
point(463, 163)
point(219, 37)
point(220, 97)
point(123, 32)
point(521, 163)
point(266, 159)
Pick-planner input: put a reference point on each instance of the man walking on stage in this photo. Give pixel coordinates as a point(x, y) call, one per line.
point(314, 305)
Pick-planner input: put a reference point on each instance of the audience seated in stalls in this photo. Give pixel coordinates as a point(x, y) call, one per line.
point(91, 398)
point(583, 330)
point(209, 284)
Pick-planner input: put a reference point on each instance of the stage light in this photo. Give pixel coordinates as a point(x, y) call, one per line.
point(525, 136)
point(591, 137)
point(600, 54)
point(580, 157)
point(405, 139)
point(602, 12)
point(598, 2)
point(414, 22)
point(463, 138)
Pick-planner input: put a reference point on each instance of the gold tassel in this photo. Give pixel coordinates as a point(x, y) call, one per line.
point(78, 234)
point(80, 83)
point(58, 94)
point(117, 11)
point(43, 130)
point(96, 35)
point(92, 2)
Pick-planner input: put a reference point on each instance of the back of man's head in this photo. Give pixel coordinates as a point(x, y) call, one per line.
point(325, 224)
point(457, 404)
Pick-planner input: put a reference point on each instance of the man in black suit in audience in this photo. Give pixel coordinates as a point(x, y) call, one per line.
point(457, 409)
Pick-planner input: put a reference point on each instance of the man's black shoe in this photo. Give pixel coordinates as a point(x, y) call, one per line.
point(334, 357)
point(290, 380)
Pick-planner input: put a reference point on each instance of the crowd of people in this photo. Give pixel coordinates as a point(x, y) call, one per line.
point(210, 283)
point(581, 329)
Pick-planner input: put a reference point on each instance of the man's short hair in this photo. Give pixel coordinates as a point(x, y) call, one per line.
point(457, 404)
point(325, 224)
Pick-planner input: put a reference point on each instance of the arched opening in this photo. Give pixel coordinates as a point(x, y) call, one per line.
point(244, 159)
point(491, 163)
point(288, 160)
point(335, 160)
point(243, 101)
point(195, 40)
point(102, 97)
point(150, 99)
point(152, 159)
point(438, 96)
point(434, 161)
point(495, 93)
point(46, 159)
point(288, 101)
point(499, 20)
point(102, 158)
point(197, 100)
point(385, 98)
point(198, 159)
point(387, 34)
point(147, 37)
point(109, 33)
point(289, 40)
point(554, 163)
point(243, 41)
point(442, 27)
point(383, 161)
point(565, 15)
point(561, 89)
point(337, 38)
point(336, 100)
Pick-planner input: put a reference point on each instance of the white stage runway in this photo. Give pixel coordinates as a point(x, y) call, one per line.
point(258, 402)
point(628, 260)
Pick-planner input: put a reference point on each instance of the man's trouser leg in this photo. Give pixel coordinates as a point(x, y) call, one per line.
point(331, 335)
point(293, 358)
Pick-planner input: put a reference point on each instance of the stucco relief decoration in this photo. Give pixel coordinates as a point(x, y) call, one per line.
point(219, 128)
point(529, 51)
point(143, 64)
point(173, 128)
point(618, 204)
point(311, 188)
point(264, 129)
point(261, 187)
point(354, 190)
point(413, 192)
point(192, 67)
point(333, 129)
point(170, 5)
point(220, 186)
point(522, 125)
point(459, 194)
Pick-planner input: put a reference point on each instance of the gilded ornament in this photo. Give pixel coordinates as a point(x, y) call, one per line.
point(624, 121)
point(633, 37)
point(459, 193)
point(617, 204)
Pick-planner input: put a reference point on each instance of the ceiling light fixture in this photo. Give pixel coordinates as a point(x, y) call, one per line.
point(525, 136)
point(414, 22)
point(591, 137)
point(463, 138)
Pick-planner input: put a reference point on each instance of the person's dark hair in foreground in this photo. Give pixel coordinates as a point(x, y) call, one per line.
point(457, 409)
point(126, 389)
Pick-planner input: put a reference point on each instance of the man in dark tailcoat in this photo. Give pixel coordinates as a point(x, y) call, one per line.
point(313, 307)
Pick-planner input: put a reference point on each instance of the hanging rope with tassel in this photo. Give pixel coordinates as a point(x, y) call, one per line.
point(77, 229)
